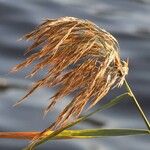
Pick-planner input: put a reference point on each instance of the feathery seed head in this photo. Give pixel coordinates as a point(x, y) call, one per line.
point(79, 56)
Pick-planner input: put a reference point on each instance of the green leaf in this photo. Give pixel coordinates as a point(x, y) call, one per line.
point(92, 133)
point(111, 103)
point(97, 133)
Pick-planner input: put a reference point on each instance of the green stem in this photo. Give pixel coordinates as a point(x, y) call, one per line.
point(137, 105)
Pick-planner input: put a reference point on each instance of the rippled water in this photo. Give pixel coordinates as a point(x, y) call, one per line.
point(127, 20)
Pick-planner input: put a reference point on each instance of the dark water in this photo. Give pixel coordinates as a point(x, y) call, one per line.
point(127, 20)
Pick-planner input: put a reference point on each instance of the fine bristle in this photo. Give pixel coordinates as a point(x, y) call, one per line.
point(79, 56)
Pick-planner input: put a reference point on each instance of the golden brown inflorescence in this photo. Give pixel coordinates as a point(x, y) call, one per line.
point(79, 56)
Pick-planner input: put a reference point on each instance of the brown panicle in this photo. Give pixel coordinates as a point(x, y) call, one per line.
point(79, 56)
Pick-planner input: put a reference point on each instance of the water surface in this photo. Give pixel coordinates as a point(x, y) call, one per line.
point(128, 21)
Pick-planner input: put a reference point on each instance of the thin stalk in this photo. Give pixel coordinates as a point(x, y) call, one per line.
point(31, 134)
point(137, 105)
point(19, 135)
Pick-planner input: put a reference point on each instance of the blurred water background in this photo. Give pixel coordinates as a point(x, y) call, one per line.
point(127, 20)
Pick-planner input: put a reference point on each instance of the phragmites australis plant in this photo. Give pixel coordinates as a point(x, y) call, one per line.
point(82, 59)
point(79, 56)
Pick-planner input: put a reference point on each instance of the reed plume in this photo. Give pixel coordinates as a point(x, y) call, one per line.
point(80, 57)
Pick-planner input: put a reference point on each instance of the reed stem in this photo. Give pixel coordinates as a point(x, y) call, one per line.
point(19, 135)
point(29, 135)
point(137, 105)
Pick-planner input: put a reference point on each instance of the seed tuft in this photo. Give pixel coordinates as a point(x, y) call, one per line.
point(79, 56)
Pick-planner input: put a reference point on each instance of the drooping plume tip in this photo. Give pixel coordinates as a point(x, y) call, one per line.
point(78, 56)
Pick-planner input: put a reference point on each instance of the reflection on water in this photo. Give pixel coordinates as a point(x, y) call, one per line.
point(128, 21)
